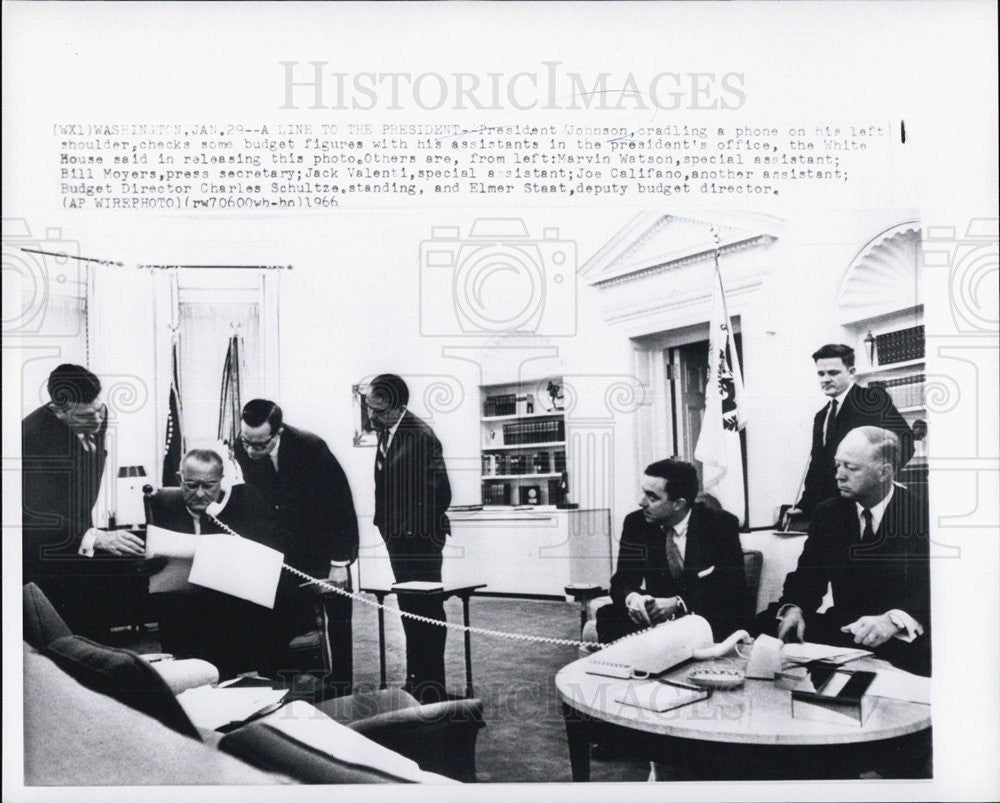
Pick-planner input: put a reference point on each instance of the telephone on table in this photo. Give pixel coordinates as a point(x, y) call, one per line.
point(653, 651)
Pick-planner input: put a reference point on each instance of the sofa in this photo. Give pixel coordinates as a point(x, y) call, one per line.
point(96, 715)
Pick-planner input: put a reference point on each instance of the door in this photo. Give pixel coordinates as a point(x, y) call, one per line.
point(688, 369)
point(691, 368)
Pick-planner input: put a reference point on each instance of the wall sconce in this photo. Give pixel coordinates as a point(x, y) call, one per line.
point(870, 345)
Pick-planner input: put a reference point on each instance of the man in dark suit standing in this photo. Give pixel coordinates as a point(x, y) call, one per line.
point(850, 406)
point(300, 478)
point(871, 544)
point(235, 635)
point(63, 456)
point(676, 556)
point(412, 495)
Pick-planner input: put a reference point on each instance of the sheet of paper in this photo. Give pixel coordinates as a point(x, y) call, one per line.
point(211, 708)
point(899, 685)
point(656, 696)
point(418, 585)
point(237, 566)
point(164, 543)
point(808, 651)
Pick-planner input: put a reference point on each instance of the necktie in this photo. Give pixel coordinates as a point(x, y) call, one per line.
point(383, 448)
point(674, 560)
point(831, 416)
point(868, 534)
point(270, 472)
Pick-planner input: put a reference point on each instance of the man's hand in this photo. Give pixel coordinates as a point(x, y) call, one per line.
point(871, 631)
point(119, 542)
point(660, 609)
point(338, 576)
point(792, 626)
point(790, 514)
point(638, 606)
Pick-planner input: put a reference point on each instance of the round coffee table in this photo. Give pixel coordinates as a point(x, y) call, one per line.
point(745, 733)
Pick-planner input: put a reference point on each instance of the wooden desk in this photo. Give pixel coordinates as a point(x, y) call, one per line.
point(464, 592)
point(745, 733)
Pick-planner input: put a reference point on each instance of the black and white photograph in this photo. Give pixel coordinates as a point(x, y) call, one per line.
point(590, 394)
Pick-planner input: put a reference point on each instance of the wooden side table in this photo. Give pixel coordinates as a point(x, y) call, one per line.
point(463, 592)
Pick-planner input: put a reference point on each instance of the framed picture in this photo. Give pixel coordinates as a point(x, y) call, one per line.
point(364, 434)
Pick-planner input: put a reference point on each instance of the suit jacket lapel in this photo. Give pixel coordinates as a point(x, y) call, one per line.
point(404, 432)
point(845, 414)
point(694, 550)
point(286, 459)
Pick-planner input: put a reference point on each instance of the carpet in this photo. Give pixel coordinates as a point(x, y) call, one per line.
point(524, 740)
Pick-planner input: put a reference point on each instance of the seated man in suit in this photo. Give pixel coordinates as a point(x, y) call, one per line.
point(871, 544)
point(676, 556)
point(235, 635)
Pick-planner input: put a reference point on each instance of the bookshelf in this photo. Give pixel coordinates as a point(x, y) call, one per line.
point(896, 365)
point(890, 353)
point(523, 444)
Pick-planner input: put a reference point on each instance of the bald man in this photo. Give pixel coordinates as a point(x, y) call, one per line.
point(871, 544)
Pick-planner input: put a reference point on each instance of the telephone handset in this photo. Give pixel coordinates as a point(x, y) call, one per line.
point(659, 648)
point(216, 507)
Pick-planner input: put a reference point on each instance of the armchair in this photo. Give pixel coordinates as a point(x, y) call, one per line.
point(440, 737)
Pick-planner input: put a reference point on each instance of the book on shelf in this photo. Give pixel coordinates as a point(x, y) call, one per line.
point(900, 346)
point(905, 391)
point(496, 493)
point(518, 433)
point(501, 404)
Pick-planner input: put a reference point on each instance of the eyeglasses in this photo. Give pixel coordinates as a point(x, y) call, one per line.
point(258, 444)
point(194, 486)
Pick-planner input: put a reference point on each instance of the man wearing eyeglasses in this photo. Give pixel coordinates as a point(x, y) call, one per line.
point(297, 474)
point(63, 456)
point(231, 633)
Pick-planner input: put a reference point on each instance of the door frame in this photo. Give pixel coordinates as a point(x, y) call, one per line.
point(657, 423)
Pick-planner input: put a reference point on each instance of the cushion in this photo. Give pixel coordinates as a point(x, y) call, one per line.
point(42, 623)
point(122, 675)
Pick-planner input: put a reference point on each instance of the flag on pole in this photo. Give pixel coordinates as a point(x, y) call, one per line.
point(230, 408)
point(173, 446)
point(718, 446)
